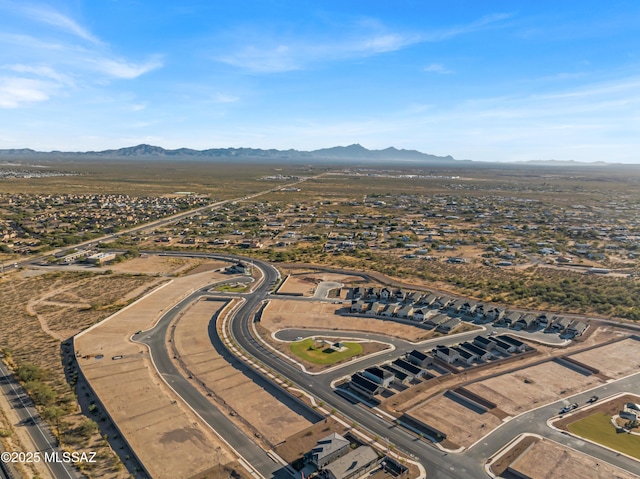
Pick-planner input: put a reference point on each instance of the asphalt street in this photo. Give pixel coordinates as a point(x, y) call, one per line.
point(30, 419)
point(439, 465)
point(155, 339)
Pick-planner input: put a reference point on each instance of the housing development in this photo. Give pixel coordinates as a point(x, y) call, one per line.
point(324, 322)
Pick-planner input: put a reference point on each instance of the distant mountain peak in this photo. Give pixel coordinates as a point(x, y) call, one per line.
point(354, 151)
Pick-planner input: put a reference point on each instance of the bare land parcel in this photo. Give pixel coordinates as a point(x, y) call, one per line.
point(270, 417)
point(520, 390)
point(286, 314)
point(462, 424)
point(169, 439)
point(614, 360)
point(305, 283)
point(560, 461)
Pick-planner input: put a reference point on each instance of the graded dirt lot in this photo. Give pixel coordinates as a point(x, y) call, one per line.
point(614, 360)
point(41, 311)
point(285, 314)
point(560, 461)
point(518, 391)
point(296, 446)
point(268, 416)
point(168, 438)
point(305, 283)
point(461, 424)
point(164, 265)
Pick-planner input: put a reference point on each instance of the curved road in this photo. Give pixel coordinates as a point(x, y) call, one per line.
point(439, 465)
point(155, 339)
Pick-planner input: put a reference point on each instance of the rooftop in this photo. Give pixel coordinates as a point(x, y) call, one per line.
point(353, 461)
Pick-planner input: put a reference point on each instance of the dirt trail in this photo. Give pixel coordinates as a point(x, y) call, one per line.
point(43, 300)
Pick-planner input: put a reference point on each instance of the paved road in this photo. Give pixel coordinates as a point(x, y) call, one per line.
point(156, 340)
point(322, 290)
point(36, 428)
point(439, 465)
point(151, 225)
point(535, 422)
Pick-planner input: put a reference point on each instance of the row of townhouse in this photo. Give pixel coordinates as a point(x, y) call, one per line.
point(481, 349)
point(553, 324)
point(374, 380)
point(383, 294)
point(424, 308)
point(440, 322)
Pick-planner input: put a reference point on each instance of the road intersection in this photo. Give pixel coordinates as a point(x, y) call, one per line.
point(439, 464)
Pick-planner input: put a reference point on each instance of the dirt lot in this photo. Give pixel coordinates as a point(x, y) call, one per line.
point(170, 440)
point(283, 314)
point(521, 390)
point(615, 360)
point(560, 461)
point(69, 309)
point(42, 310)
point(305, 283)
point(412, 397)
point(164, 265)
point(295, 446)
point(270, 417)
point(462, 425)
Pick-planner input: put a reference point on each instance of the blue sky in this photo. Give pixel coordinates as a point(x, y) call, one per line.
point(481, 80)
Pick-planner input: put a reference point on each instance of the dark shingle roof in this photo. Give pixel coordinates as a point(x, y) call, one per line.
point(364, 383)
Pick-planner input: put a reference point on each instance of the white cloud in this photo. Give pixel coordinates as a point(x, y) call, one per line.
point(296, 55)
point(41, 71)
point(266, 54)
point(222, 98)
point(437, 68)
point(55, 61)
point(22, 41)
point(57, 19)
point(385, 43)
point(488, 21)
point(16, 92)
point(118, 68)
point(280, 58)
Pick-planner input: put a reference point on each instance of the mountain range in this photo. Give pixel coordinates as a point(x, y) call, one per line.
point(335, 154)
